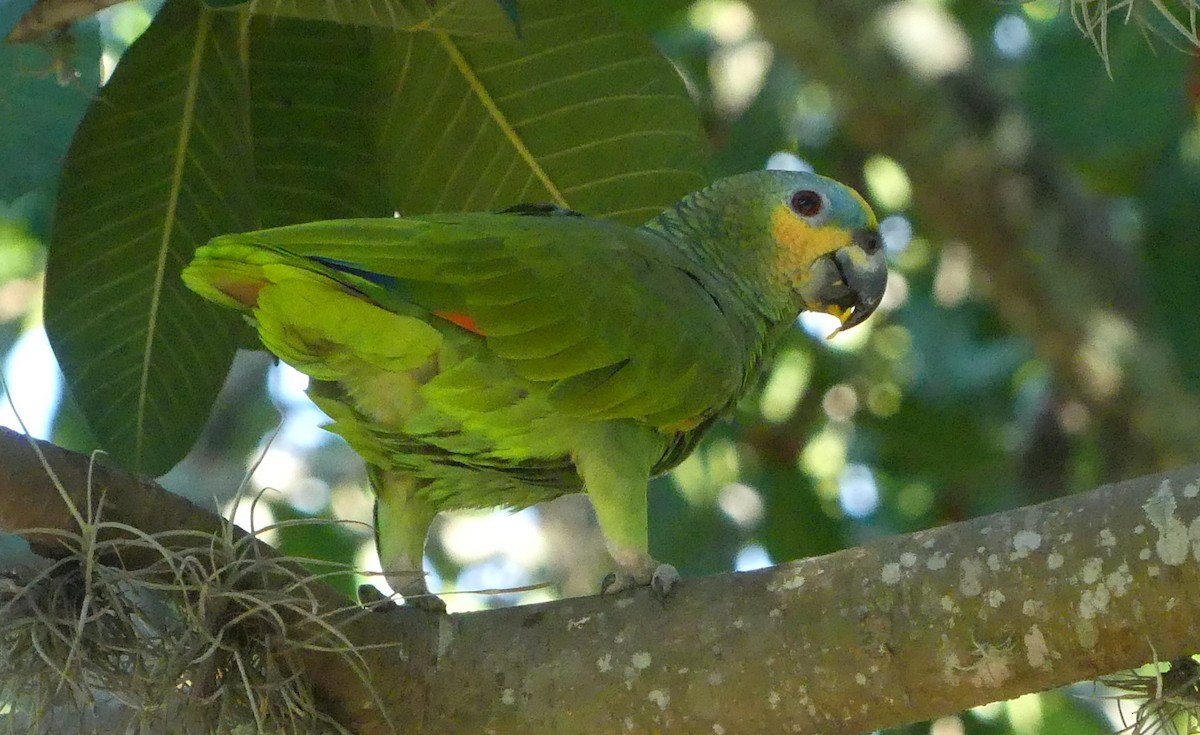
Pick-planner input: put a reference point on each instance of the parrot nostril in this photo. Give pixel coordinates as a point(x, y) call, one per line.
point(871, 242)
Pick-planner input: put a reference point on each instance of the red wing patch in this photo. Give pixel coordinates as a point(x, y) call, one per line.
point(463, 320)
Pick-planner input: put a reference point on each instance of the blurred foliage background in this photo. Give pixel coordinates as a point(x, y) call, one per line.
point(1036, 191)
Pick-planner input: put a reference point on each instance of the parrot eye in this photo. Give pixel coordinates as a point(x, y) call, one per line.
point(806, 203)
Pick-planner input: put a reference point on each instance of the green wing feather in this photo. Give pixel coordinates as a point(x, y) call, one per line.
point(595, 314)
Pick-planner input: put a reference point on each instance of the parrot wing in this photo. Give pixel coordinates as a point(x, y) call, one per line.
point(610, 321)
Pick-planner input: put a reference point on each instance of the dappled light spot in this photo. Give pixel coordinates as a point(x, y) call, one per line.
point(309, 495)
point(472, 537)
point(815, 116)
point(897, 232)
point(1127, 220)
point(702, 475)
point(252, 517)
point(926, 38)
point(1101, 360)
point(1011, 36)
point(915, 257)
point(737, 74)
point(1025, 713)
point(490, 575)
point(34, 385)
point(895, 295)
point(785, 161)
point(1189, 145)
point(824, 327)
point(351, 500)
point(277, 468)
point(818, 324)
point(859, 496)
point(17, 296)
point(887, 183)
point(1042, 11)
point(1073, 417)
point(727, 21)
point(785, 386)
point(742, 503)
point(952, 280)
point(840, 402)
point(947, 726)
point(752, 557)
point(825, 454)
point(883, 399)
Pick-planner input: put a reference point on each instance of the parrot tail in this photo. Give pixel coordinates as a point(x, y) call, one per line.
point(231, 273)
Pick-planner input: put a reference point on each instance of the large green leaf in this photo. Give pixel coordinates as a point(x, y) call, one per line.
point(160, 164)
point(581, 112)
point(339, 122)
point(313, 148)
point(650, 16)
point(481, 18)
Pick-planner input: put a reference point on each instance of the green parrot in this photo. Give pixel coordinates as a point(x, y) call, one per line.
point(481, 360)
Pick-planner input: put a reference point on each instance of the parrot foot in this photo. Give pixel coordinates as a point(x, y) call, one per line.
point(663, 580)
point(371, 598)
point(412, 587)
point(428, 602)
point(660, 578)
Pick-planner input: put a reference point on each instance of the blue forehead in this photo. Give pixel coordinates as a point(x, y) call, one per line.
point(847, 209)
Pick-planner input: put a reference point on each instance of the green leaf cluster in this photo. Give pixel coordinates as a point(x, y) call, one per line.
point(228, 119)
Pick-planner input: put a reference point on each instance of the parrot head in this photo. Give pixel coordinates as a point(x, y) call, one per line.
point(792, 241)
point(827, 246)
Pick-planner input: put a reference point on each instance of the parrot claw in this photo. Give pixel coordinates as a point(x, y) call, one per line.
point(661, 580)
point(428, 602)
point(412, 587)
point(609, 586)
point(372, 599)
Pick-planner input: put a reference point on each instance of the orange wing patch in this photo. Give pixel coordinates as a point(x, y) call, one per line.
point(679, 427)
point(243, 291)
point(463, 320)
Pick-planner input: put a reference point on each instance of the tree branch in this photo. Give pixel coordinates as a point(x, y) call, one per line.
point(29, 499)
point(900, 630)
point(897, 631)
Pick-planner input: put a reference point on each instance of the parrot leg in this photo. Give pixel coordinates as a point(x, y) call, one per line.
point(615, 466)
point(402, 521)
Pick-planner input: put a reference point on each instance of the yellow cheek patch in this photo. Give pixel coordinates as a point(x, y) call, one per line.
point(800, 243)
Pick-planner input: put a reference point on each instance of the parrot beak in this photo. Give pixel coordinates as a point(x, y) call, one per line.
point(849, 282)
